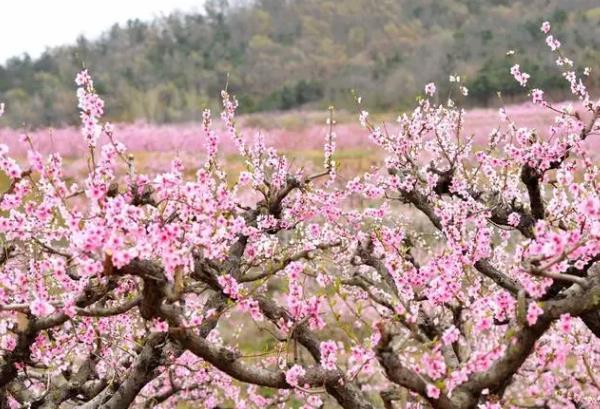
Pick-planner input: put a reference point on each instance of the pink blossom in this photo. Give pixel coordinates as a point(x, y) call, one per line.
point(565, 323)
point(590, 207)
point(329, 351)
point(430, 89)
point(433, 391)
point(533, 312)
point(514, 219)
point(434, 364)
point(159, 325)
point(537, 96)
point(484, 324)
point(363, 118)
point(545, 28)
point(251, 306)
point(230, 286)
point(293, 375)
point(83, 78)
point(451, 335)
point(552, 42)
point(41, 308)
point(314, 402)
point(521, 77)
point(294, 269)
point(8, 342)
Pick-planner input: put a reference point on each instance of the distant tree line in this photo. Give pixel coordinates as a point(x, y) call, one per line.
point(283, 54)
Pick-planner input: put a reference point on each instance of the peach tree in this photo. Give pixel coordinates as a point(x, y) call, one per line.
point(466, 278)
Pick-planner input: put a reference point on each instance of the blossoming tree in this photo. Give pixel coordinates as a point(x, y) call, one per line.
point(467, 278)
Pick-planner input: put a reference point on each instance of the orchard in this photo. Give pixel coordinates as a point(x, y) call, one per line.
point(452, 275)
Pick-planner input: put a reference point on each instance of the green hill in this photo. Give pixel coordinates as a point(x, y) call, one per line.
point(282, 54)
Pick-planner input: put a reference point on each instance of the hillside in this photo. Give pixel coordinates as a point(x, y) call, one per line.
point(282, 54)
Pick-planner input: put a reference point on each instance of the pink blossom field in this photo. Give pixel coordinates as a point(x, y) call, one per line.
point(155, 145)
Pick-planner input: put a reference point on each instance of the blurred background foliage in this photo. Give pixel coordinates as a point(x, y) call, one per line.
point(283, 54)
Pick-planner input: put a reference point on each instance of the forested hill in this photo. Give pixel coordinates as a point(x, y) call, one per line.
point(282, 54)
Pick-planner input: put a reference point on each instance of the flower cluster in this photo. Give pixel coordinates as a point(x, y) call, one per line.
point(430, 89)
point(521, 77)
point(91, 108)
